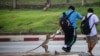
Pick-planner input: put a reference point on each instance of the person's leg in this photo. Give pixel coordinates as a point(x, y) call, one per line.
point(68, 38)
point(65, 42)
point(70, 44)
point(72, 39)
point(65, 38)
point(90, 47)
point(91, 44)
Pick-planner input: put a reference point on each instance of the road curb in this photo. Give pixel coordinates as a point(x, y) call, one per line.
point(15, 38)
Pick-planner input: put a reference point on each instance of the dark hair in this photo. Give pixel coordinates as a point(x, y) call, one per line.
point(71, 7)
point(90, 10)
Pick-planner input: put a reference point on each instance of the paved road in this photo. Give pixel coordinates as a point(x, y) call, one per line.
point(79, 46)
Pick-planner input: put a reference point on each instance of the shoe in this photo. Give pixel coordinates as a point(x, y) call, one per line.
point(65, 49)
point(68, 48)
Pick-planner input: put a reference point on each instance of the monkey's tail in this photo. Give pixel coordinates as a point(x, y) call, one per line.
point(33, 49)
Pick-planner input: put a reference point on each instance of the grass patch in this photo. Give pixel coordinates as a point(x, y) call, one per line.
point(38, 20)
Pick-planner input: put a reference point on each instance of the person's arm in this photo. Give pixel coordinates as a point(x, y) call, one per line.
point(59, 23)
point(96, 20)
point(59, 19)
point(83, 18)
point(79, 16)
point(96, 23)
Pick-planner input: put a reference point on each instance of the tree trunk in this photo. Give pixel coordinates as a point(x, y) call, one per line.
point(68, 1)
point(14, 4)
point(48, 1)
point(47, 5)
point(84, 2)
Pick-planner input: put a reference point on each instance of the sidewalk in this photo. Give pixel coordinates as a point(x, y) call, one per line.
point(14, 38)
point(45, 54)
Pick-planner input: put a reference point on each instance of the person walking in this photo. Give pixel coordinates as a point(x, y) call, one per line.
point(70, 35)
point(92, 38)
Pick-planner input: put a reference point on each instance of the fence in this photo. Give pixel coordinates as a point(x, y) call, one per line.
point(41, 3)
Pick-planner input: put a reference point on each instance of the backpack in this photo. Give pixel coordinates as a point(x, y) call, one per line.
point(65, 22)
point(85, 27)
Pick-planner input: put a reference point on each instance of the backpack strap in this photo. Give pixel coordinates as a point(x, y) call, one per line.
point(68, 16)
point(64, 14)
point(89, 18)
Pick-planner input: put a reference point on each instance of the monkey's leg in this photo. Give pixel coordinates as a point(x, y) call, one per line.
point(46, 48)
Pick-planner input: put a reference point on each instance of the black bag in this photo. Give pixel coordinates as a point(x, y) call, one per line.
point(85, 27)
point(65, 22)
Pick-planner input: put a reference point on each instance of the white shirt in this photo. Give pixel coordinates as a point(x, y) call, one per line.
point(92, 20)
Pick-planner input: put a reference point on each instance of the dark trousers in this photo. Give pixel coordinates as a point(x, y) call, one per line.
point(70, 36)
